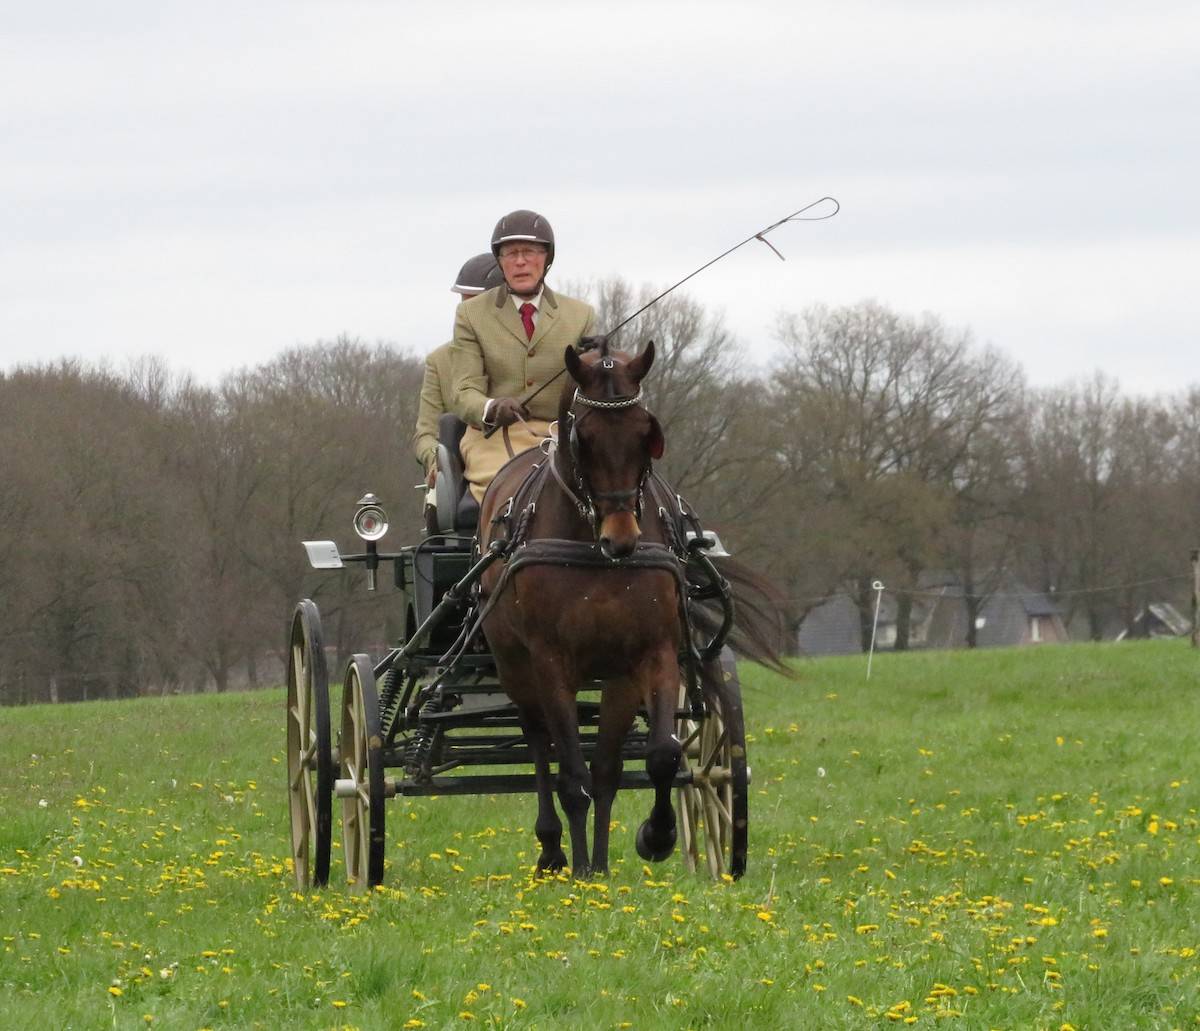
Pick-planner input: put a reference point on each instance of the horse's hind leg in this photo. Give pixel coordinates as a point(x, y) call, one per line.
point(618, 708)
point(548, 827)
point(659, 680)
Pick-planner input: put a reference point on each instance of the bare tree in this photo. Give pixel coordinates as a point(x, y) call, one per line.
point(881, 415)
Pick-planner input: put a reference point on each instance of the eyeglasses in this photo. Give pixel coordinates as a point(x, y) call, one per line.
point(521, 253)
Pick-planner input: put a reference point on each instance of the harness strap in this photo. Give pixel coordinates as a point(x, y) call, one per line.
point(584, 511)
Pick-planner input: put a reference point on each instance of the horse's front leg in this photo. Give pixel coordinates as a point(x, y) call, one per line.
point(658, 678)
point(618, 709)
point(548, 827)
point(556, 687)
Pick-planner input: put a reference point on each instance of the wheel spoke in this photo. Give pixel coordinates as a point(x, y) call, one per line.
point(310, 800)
point(716, 800)
point(717, 750)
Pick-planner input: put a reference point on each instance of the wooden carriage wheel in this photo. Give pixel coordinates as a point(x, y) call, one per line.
point(361, 783)
point(714, 808)
point(309, 749)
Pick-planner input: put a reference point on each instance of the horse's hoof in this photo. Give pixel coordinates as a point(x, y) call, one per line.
point(552, 862)
point(653, 849)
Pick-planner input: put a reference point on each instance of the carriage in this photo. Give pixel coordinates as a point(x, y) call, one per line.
point(429, 717)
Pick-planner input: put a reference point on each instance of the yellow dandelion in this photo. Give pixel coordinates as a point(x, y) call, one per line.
point(764, 916)
point(854, 1000)
point(519, 1003)
point(114, 991)
point(338, 1004)
point(413, 1023)
point(1166, 882)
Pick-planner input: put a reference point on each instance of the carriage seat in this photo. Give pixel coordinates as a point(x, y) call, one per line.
point(457, 509)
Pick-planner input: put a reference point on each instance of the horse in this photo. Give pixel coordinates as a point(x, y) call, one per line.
point(590, 590)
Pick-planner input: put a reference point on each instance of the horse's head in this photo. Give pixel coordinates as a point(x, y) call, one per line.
point(610, 440)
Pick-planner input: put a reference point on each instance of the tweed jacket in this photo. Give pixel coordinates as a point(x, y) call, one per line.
point(491, 358)
point(437, 396)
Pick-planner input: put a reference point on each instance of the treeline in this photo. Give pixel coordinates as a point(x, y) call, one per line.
point(150, 525)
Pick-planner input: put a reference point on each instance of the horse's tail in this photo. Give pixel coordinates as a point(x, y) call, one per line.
point(762, 621)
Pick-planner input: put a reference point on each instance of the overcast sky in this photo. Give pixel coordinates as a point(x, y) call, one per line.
point(216, 182)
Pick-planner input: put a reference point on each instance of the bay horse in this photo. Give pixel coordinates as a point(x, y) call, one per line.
point(590, 591)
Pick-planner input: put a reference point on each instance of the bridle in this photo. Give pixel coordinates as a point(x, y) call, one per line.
point(583, 496)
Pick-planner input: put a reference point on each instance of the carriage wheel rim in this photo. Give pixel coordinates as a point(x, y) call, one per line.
point(361, 764)
point(309, 768)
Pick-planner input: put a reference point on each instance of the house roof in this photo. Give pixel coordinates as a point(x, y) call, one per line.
point(1039, 605)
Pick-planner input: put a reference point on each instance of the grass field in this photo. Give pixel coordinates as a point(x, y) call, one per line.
point(1004, 839)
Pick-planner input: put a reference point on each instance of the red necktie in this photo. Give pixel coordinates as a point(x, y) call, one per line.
point(527, 311)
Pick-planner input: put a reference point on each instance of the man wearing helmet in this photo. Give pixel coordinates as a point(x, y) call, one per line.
point(477, 275)
point(509, 342)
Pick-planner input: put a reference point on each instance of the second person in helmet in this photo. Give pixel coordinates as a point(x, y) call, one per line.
point(508, 342)
point(477, 275)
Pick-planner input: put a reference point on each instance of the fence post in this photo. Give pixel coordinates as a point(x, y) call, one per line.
point(1196, 597)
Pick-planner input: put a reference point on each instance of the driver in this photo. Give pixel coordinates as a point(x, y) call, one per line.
point(507, 343)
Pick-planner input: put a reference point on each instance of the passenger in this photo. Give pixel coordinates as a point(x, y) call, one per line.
point(508, 343)
point(478, 274)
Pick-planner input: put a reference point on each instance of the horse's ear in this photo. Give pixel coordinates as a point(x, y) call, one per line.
point(574, 365)
point(641, 364)
point(657, 443)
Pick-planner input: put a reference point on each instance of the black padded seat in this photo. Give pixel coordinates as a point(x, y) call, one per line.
point(453, 494)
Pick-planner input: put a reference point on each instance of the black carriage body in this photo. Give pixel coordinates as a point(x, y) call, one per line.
point(423, 575)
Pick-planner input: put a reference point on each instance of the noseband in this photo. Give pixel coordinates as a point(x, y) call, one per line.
point(583, 496)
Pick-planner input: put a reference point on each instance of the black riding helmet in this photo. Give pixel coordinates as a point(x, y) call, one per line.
point(478, 274)
point(524, 225)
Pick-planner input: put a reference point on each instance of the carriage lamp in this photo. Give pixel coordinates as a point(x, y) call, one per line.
point(370, 521)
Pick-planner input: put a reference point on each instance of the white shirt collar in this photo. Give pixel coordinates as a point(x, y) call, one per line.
point(536, 300)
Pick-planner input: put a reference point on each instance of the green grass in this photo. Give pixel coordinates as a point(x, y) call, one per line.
point(1002, 839)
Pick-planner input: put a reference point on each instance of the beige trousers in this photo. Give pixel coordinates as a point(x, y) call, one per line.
point(483, 456)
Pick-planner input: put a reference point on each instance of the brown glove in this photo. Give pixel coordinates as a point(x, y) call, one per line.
point(507, 410)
